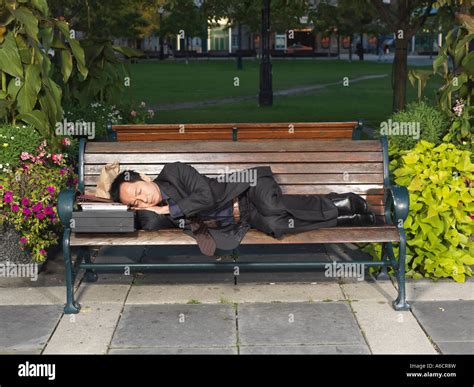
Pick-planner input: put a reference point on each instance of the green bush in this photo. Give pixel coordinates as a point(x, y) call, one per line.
point(97, 113)
point(28, 198)
point(432, 125)
point(439, 227)
point(14, 140)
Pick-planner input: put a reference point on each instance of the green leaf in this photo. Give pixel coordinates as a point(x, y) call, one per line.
point(28, 94)
point(66, 64)
point(37, 119)
point(128, 52)
point(29, 21)
point(10, 61)
point(468, 63)
point(79, 56)
point(41, 5)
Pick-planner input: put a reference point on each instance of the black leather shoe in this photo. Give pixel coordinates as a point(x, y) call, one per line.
point(367, 219)
point(348, 203)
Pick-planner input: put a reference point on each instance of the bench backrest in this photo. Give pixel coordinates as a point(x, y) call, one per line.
point(237, 131)
point(301, 167)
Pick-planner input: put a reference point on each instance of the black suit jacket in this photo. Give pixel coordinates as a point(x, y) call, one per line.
point(195, 193)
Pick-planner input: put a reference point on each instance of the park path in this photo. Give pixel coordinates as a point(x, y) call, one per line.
point(280, 93)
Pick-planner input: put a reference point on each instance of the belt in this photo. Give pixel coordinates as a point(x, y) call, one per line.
point(236, 209)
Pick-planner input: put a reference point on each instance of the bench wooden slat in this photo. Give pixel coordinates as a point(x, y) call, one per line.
point(234, 147)
point(277, 168)
point(147, 158)
point(295, 179)
point(177, 237)
point(240, 125)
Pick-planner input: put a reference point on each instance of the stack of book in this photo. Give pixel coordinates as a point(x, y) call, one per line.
point(100, 215)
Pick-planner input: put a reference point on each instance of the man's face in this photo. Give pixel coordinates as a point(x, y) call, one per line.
point(140, 194)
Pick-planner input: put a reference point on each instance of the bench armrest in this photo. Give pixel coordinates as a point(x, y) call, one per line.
point(66, 201)
point(398, 199)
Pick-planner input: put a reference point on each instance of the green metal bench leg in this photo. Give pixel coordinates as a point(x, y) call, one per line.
point(71, 306)
point(382, 274)
point(90, 275)
point(400, 303)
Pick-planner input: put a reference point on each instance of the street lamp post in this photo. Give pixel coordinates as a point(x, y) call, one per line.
point(161, 10)
point(266, 90)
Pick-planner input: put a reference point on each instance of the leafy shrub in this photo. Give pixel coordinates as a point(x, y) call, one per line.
point(138, 114)
point(28, 198)
point(13, 141)
point(97, 113)
point(432, 125)
point(438, 227)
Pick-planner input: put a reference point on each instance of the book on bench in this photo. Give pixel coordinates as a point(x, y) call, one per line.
point(101, 215)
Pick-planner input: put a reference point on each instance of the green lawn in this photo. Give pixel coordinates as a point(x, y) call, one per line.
point(172, 82)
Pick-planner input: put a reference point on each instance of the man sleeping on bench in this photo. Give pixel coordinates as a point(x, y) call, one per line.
point(218, 212)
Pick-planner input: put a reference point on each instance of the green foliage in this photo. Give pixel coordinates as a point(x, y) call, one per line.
point(432, 125)
point(108, 76)
point(138, 114)
point(455, 64)
point(98, 113)
point(28, 198)
point(13, 141)
point(29, 94)
point(440, 182)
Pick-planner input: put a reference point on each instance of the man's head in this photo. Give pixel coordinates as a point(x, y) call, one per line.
point(135, 189)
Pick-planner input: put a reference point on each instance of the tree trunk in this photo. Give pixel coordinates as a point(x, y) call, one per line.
point(350, 47)
point(400, 74)
point(338, 45)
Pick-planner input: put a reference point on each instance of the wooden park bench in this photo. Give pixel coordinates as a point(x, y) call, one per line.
point(300, 166)
point(236, 131)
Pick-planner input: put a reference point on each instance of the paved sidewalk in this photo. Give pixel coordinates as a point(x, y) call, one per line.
point(207, 313)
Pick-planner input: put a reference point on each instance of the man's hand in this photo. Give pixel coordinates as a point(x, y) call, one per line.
point(157, 210)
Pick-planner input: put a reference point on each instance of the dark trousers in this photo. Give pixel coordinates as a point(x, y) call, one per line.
point(266, 209)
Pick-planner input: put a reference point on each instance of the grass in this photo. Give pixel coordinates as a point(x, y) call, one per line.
point(173, 82)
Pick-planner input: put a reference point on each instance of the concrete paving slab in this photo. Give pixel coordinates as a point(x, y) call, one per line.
point(456, 347)
point(175, 351)
point(388, 331)
point(222, 293)
point(88, 332)
point(298, 323)
point(27, 328)
point(176, 326)
point(382, 290)
point(428, 290)
point(98, 292)
point(451, 321)
point(48, 295)
point(304, 350)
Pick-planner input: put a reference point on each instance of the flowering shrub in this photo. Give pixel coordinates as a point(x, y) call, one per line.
point(460, 132)
point(140, 114)
point(97, 113)
point(29, 194)
point(14, 140)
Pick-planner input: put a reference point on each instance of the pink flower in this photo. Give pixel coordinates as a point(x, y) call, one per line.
point(7, 198)
point(43, 252)
point(133, 113)
point(57, 158)
point(26, 168)
point(26, 211)
point(49, 210)
point(23, 240)
point(15, 208)
point(37, 207)
point(66, 141)
point(50, 189)
point(42, 145)
point(25, 156)
point(62, 171)
point(40, 216)
point(25, 202)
